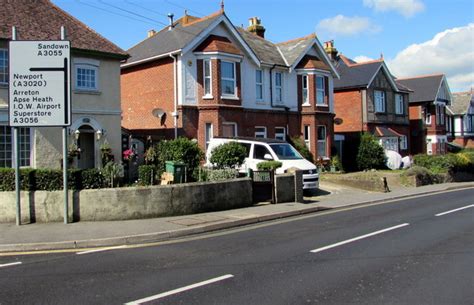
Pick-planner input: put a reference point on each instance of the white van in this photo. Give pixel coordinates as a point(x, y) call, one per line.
point(260, 149)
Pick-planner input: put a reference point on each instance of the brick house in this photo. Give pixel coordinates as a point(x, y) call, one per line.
point(95, 73)
point(460, 119)
point(367, 99)
point(204, 77)
point(428, 103)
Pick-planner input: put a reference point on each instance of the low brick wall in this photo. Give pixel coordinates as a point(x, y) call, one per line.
point(129, 203)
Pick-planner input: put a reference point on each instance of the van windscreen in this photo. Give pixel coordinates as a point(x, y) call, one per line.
point(285, 151)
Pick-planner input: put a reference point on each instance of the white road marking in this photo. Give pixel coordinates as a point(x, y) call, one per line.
point(178, 290)
point(455, 210)
point(10, 264)
point(101, 249)
point(358, 238)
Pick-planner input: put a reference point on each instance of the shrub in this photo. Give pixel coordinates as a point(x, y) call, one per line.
point(179, 150)
point(336, 163)
point(301, 147)
point(49, 179)
point(269, 165)
point(424, 175)
point(92, 179)
point(228, 155)
point(221, 174)
point(7, 179)
point(112, 171)
point(146, 174)
point(370, 155)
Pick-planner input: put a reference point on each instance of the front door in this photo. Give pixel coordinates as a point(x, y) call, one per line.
point(86, 143)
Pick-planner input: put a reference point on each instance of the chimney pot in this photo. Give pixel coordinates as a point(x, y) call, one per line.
point(171, 16)
point(330, 49)
point(151, 33)
point(255, 27)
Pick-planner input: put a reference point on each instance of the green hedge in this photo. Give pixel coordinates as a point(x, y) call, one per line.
point(50, 179)
point(269, 165)
point(460, 162)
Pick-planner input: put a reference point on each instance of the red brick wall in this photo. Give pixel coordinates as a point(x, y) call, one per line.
point(348, 107)
point(144, 88)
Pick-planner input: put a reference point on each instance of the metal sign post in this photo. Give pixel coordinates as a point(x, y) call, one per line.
point(40, 92)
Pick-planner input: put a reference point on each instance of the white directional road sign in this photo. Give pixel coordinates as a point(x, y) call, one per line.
point(39, 83)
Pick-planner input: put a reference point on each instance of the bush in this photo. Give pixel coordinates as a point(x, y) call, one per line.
point(370, 155)
point(92, 179)
point(424, 175)
point(228, 155)
point(179, 150)
point(146, 174)
point(460, 162)
point(221, 174)
point(301, 147)
point(49, 179)
point(269, 165)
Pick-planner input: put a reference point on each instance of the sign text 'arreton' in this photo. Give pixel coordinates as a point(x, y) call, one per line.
point(39, 83)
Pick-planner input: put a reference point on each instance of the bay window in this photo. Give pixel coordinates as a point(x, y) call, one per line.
point(207, 78)
point(305, 94)
point(320, 90)
point(322, 151)
point(228, 79)
point(259, 85)
point(278, 87)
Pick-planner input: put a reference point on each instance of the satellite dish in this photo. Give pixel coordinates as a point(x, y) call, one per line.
point(158, 112)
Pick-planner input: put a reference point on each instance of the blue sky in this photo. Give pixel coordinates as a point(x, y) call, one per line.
point(415, 36)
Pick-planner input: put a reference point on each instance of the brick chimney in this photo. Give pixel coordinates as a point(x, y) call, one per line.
point(151, 33)
point(330, 49)
point(255, 27)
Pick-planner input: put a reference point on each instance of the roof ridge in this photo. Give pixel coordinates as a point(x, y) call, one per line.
point(312, 35)
point(349, 64)
point(80, 23)
point(421, 76)
point(256, 36)
point(215, 14)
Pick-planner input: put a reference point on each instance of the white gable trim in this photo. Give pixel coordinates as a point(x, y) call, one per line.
point(204, 34)
point(321, 52)
point(387, 74)
point(446, 86)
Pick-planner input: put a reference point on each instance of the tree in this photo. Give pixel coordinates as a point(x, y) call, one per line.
point(371, 154)
point(228, 155)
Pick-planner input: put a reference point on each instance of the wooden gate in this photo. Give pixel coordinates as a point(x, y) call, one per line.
point(263, 186)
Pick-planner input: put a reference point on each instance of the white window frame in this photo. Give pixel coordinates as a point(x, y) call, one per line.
point(234, 126)
point(427, 116)
point(4, 76)
point(322, 142)
point(379, 103)
point(209, 77)
point(280, 133)
point(259, 86)
point(234, 79)
point(279, 88)
point(403, 142)
point(24, 133)
point(389, 143)
point(399, 104)
point(305, 89)
point(322, 90)
point(441, 115)
point(260, 132)
point(307, 135)
point(90, 67)
point(208, 134)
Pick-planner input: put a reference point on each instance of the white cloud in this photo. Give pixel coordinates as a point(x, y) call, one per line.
point(450, 52)
point(347, 26)
point(362, 58)
point(407, 8)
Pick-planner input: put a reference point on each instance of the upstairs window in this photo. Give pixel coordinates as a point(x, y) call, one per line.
point(259, 85)
point(305, 94)
point(207, 78)
point(398, 104)
point(379, 97)
point(228, 79)
point(320, 90)
point(87, 77)
point(3, 66)
point(278, 87)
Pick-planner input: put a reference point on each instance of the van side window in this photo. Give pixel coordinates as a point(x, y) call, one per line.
point(259, 151)
point(247, 148)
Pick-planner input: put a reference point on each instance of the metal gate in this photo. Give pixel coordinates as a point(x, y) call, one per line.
point(263, 186)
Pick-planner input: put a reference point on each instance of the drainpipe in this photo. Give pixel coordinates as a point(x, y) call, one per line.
point(175, 88)
point(271, 85)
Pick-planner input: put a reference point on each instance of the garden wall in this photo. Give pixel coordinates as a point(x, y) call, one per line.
point(128, 203)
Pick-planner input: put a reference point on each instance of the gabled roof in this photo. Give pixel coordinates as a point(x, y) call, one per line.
point(169, 41)
point(266, 51)
point(354, 75)
point(293, 49)
point(42, 20)
point(425, 88)
point(461, 102)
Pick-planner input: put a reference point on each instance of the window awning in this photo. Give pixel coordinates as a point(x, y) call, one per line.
point(383, 132)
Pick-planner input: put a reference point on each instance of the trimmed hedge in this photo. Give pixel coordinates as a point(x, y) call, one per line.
point(50, 179)
point(269, 165)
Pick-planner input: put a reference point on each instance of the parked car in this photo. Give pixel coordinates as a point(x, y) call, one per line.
point(260, 149)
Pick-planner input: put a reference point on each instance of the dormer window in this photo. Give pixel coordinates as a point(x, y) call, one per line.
point(228, 79)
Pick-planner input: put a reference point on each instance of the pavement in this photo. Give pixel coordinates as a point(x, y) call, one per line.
point(55, 236)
